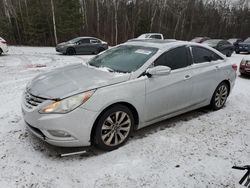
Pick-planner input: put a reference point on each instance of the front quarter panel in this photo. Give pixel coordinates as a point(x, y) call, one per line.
point(132, 92)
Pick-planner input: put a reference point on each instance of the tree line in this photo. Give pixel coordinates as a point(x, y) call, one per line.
point(47, 22)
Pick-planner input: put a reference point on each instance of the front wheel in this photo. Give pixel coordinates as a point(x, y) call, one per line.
point(220, 96)
point(113, 128)
point(70, 51)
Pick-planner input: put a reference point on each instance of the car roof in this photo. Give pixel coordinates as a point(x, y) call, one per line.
point(151, 34)
point(87, 38)
point(160, 44)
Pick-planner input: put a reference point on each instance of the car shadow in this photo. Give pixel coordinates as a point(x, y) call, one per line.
point(55, 152)
point(246, 77)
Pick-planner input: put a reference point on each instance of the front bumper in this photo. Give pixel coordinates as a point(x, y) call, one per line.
point(60, 50)
point(245, 69)
point(243, 49)
point(78, 124)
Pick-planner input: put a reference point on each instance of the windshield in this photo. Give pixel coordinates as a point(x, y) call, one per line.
point(211, 42)
point(247, 40)
point(124, 59)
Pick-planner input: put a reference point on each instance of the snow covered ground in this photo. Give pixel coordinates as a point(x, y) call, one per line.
point(196, 149)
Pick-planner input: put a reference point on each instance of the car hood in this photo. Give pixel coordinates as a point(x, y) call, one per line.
point(70, 80)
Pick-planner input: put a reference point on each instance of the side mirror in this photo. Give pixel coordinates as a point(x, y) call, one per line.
point(158, 70)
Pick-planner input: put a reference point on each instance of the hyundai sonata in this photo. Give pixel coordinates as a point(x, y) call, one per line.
point(123, 89)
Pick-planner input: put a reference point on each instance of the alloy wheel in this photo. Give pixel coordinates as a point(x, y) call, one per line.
point(221, 96)
point(116, 128)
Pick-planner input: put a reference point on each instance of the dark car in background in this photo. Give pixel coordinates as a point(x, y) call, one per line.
point(200, 39)
point(221, 45)
point(82, 45)
point(235, 41)
point(243, 46)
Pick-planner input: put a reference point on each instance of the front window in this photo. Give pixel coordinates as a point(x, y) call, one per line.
point(74, 40)
point(155, 36)
point(175, 59)
point(123, 58)
point(247, 40)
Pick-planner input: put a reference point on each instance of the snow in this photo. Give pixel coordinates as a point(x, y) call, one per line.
point(196, 149)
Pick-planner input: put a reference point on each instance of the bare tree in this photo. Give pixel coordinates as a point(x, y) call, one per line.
point(54, 20)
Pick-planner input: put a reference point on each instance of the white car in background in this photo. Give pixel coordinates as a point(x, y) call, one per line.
point(3, 46)
point(151, 36)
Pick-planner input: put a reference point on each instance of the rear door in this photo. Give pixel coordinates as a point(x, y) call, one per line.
point(206, 71)
point(167, 94)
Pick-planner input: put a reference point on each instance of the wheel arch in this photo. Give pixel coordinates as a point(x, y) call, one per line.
point(228, 84)
point(69, 48)
point(128, 105)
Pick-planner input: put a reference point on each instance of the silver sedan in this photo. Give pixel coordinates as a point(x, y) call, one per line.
point(123, 89)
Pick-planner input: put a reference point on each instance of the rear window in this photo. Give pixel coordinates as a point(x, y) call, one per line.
point(202, 55)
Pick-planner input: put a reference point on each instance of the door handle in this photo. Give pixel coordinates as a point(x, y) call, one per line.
point(187, 77)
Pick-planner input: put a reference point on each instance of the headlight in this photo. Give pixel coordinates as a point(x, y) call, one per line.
point(68, 104)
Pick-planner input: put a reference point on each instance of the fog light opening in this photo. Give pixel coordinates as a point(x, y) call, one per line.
point(59, 133)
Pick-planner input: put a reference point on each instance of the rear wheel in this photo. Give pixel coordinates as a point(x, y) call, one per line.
point(113, 128)
point(220, 96)
point(99, 50)
point(70, 51)
point(1, 51)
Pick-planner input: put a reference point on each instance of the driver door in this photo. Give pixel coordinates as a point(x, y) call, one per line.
point(83, 46)
point(167, 94)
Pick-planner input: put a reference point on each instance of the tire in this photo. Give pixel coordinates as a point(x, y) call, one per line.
point(237, 52)
point(113, 128)
point(99, 50)
point(220, 96)
point(229, 54)
point(1, 51)
point(70, 51)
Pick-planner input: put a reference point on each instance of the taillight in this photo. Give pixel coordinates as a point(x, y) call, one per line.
point(234, 66)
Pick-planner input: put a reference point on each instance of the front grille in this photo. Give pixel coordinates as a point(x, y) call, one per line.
point(32, 101)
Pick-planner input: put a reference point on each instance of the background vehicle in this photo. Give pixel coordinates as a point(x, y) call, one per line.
point(235, 41)
point(151, 36)
point(82, 45)
point(243, 46)
point(221, 45)
point(3, 46)
point(128, 87)
point(200, 39)
point(245, 66)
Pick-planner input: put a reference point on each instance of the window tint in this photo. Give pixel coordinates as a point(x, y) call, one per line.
point(175, 59)
point(94, 41)
point(83, 41)
point(155, 37)
point(202, 55)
